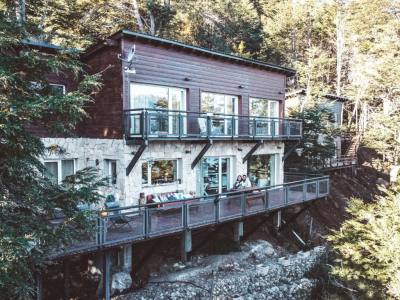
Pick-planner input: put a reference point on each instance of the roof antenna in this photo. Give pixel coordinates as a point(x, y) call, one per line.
point(129, 60)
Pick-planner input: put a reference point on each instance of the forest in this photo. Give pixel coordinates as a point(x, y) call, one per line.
point(349, 48)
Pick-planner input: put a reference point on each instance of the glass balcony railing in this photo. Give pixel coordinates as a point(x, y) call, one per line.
point(170, 124)
point(127, 224)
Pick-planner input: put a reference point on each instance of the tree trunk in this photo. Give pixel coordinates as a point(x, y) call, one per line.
point(137, 16)
point(20, 11)
point(339, 49)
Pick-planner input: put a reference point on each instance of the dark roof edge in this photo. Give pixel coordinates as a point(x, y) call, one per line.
point(48, 46)
point(335, 97)
point(121, 33)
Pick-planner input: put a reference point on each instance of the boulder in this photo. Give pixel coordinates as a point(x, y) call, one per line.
point(121, 281)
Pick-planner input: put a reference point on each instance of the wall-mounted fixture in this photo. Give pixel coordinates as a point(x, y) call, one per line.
point(299, 151)
point(129, 60)
point(280, 93)
point(240, 149)
point(186, 79)
point(188, 151)
point(240, 86)
point(97, 162)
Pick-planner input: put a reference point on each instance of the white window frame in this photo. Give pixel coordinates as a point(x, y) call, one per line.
point(135, 85)
point(230, 172)
point(59, 166)
point(62, 85)
point(108, 170)
point(149, 179)
point(235, 109)
point(268, 114)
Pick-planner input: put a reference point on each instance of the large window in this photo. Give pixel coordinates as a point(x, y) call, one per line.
point(159, 172)
point(215, 175)
point(262, 169)
point(220, 105)
point(263, 108)
point(57, 170)
point(157, 97)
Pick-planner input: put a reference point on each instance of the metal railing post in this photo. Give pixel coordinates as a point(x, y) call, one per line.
point(216, 203)
point(243, 203)
point(147, 222)
point(185, 215)
point(254, 127)
point(272, 127)
point(233, 126)
point(179, 125)
point(208, 126)
point(304, 191)
point(266, 199)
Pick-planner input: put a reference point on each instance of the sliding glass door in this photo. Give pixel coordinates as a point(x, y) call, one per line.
point(215, 175)
point(262, 169)
point(164, 102)
point(223, 110)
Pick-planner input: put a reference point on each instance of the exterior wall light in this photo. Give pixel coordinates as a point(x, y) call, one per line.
point(299, 151)
point(103, 214)
point(240, 86)
point(186, 79)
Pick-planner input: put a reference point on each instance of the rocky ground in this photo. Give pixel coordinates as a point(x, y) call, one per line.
point(258, 271)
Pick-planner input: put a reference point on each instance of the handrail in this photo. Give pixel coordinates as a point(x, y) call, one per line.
point(163, 110)
point(238, 192)
point(146, 221)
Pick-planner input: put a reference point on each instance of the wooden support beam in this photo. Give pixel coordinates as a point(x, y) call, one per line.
point(201, 154)
point(279, 219)
point(66, 275)
point(186, 244)
point(136, 157)
point(252, 150)
point(106, 273)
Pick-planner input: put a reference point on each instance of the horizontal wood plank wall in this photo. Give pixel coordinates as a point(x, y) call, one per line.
point(157, 64)
point(106, 113)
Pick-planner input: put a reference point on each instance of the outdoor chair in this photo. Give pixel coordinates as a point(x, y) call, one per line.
point(116, 218)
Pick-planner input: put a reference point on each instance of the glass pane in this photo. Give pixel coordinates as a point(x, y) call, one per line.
point(163, 171)
point(259, 169)
point(274, 112)
point(149, 96)
point(52, 171)
point(57, 89)
point(219, 104)
point(259, 107)
point(177, 99)
point(230, 105)
point(207, 102)
point(67, 168)
point(210, 176)
point(113, 171)
point(145, 179)
point(225, 175)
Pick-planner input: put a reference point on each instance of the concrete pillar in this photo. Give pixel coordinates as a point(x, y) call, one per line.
point(237, 231)
point(127, 258)
point(186, 244)
point(39, 286)
point(66, 275)
point(106, 274)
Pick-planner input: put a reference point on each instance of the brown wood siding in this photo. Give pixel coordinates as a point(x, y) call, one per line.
point(106, 113)
point(169, 66)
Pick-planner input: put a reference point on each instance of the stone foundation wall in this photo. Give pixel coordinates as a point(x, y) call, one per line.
point(92, 152)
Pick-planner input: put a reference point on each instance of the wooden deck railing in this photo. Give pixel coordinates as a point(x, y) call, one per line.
point(140, 222)
point(175, 124)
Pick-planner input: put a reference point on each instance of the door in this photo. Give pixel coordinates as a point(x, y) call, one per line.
point(215, 175)
point(264, 117)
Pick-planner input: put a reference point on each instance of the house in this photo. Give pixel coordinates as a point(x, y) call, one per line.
point(174, 125)
point(345, 156)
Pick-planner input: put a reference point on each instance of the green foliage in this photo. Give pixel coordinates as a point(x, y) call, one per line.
point(319, 132)
point(367, 247)
point(383, 135)
point(27, 199)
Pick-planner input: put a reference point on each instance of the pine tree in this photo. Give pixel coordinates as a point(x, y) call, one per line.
point(27, 198)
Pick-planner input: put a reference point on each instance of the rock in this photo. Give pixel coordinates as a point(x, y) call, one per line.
point(121, 281)
point(254, 273)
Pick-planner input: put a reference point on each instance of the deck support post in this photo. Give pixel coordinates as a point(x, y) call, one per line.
point(106, 273)
point(39, 286)
point(278, 219)
point(127, 251)
point(186, 244)
point(66, 275)
point(237, 231)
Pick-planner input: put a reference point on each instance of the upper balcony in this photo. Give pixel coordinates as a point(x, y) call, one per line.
point(160, 124)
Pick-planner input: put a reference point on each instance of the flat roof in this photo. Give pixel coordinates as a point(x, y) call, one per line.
point(191, 48)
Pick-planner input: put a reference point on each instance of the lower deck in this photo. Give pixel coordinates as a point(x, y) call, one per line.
point(132, 224)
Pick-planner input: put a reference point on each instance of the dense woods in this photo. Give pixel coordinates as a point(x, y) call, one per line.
point(348, 48)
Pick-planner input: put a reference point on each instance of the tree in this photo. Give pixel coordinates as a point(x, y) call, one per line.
point(367, 247)
point(319, 131)
point(27, 198)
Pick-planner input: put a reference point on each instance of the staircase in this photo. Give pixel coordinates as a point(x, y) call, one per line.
point(350, 144)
